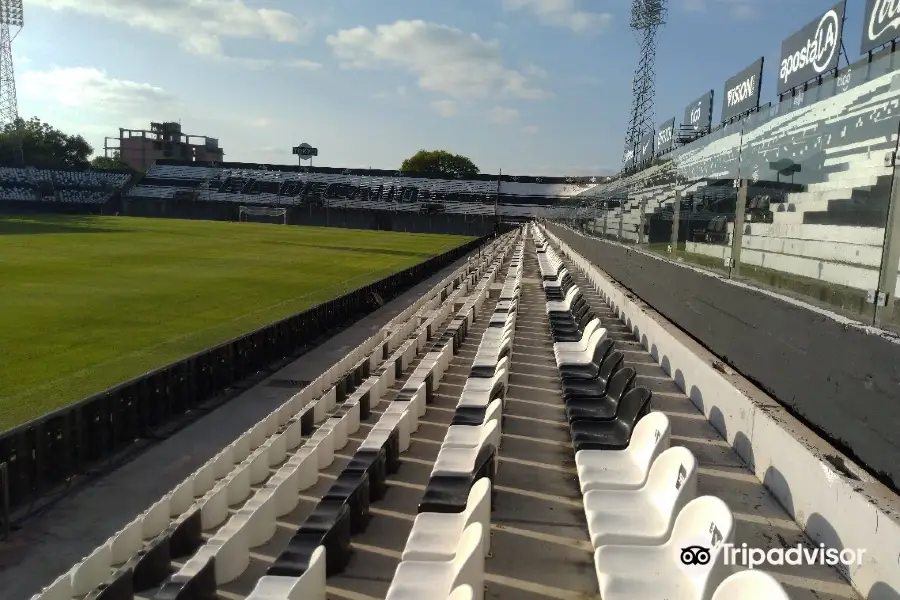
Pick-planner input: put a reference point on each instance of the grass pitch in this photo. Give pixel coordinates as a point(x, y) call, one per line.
point(89, 302)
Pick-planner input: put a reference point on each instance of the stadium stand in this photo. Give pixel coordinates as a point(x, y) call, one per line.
point(820, 171)
point(250, 184)
point(418, 466)
point(93, 188)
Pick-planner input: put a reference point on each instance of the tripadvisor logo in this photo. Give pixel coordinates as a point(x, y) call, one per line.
point(818, 50)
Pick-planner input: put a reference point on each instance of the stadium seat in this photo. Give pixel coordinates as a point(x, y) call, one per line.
point(581, 343)
point(605, 407)
point(575, 357)
point(414, 580)
point(614, 434)
point(308, 586)
point(750, 585)
point(589, 370)
point(627, 572)
point(434, 536)
point(643, 516)
point(628, 468)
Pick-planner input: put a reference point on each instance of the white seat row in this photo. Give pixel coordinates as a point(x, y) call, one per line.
point(450, 538)
point(226, 479)
point(642, 508)
point(399, 419)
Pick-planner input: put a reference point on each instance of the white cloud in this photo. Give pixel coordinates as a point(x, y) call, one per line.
point(88, 88)
point(306, 65)
point(562, 13)
point(739, 9)
point(503, 115)
point(530, 130)
point(446, 108)
point(445, 60)
point(200, 25)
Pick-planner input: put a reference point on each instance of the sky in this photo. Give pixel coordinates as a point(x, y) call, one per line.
point(529, 87)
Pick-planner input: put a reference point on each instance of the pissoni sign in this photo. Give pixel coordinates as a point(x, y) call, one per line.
point(812, 51)
point(742, 91)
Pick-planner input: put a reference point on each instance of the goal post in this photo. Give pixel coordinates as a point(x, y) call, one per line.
point(263, 214)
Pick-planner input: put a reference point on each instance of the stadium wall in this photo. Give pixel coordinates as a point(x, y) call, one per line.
point(347, 218)
point(840, 379)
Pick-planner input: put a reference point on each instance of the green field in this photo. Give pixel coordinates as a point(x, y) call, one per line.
point(89, 302)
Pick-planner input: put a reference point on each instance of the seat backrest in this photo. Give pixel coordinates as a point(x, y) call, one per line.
point(620, 383)
point(479, 495)
point(705, 521)
point(596, 338)
point(468, 563)
point(750, 585)
point(632, 404)
point(589, 329)
point(610, 365)
point(650, 437)
point(602, 350)
point(672, 481)
point(463, 592)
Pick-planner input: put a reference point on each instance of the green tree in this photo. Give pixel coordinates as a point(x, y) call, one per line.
point(439, 161)
point(110, 163)
point(43, 146)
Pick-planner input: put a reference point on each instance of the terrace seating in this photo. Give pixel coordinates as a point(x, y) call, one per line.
point(605, 407)
point(139, 556)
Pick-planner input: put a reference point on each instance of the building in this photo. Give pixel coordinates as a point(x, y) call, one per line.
point(139, 148)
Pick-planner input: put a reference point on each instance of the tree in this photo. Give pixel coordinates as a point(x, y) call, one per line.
point(439, 161)
point(110, 163)
point(43, 146)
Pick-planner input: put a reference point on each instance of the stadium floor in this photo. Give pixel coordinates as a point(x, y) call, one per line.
point(540, 547)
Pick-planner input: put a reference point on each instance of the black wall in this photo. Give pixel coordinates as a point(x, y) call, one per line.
point(840, 381)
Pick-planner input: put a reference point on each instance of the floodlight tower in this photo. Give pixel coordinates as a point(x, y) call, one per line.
point(647, 16)
point(11, 23)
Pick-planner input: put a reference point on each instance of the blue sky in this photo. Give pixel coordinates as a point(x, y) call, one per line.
point(527, 86)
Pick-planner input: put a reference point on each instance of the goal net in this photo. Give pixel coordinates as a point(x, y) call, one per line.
point(263, 214)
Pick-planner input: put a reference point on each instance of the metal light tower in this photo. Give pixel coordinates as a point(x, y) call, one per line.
point(11, 23)
point(647, 16)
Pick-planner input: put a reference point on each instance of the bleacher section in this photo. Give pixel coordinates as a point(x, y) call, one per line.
point(248, 184)
point(60, 186)
point(820, 174)
point(494, 440)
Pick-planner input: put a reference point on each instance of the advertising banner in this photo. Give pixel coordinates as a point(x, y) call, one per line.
point(698, 114)
point(881, 24)
point(665, 136)
point(812, 51)
point(742, 91)
point(644, 151)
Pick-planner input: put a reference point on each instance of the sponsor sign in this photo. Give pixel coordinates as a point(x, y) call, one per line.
point(644, 151)
point(881, 24)
point(304, 151)
point(628, 161)
point(698, 114)
point(812, 51)
point(665, 136)
point(742, 91)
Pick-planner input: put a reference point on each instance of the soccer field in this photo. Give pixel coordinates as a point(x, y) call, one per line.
point(89, 302)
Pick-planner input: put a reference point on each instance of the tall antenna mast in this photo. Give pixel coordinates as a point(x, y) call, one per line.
point(647, 16)
point(11, 22)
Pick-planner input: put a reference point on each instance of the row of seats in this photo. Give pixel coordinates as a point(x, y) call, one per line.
point(445, 551)
point(138, 556)
point(639, 493)
point(78, 179)
point(320, 547)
